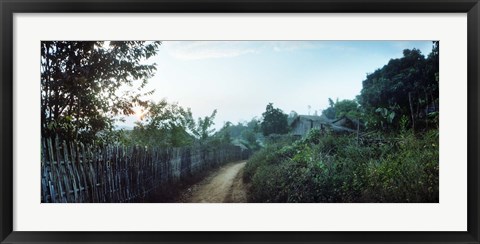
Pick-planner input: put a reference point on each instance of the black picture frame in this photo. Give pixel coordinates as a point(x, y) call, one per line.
point(9, 7)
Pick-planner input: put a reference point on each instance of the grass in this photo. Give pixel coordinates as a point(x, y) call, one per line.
point(325, 167)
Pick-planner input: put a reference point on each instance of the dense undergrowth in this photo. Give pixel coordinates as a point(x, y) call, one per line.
point(325, 167)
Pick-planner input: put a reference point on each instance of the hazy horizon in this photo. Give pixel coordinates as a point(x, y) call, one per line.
point(239, 78)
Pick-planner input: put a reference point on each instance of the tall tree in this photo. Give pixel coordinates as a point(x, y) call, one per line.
point(403, 88)
point(81, 85)
point(224, 135)
point(274, 121)
point(165, 125)
point(349, 108)
point(330, 111)
point(203, 128)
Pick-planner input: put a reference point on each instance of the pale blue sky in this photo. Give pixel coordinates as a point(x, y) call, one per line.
point(239, 78)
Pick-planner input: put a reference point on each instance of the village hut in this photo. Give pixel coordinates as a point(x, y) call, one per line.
point(346, 124)
point(302, 124)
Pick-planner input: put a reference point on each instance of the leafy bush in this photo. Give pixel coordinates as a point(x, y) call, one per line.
point(410, 175)
point(338, 168)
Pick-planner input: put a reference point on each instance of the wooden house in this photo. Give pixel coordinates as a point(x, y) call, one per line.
point(304, 123)
point(346, 124)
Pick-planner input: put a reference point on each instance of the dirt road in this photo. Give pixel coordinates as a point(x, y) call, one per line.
point(223, 185)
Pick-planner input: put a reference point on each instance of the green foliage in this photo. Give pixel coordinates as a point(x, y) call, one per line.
point(404, 88)
point(386, 116)
point(246, 133)
point(267, 156)
point(164, 125)
point(411, 175)
point(396, 162)
point(202, 129)
point(225, 136)
point(167, 124)
point(349, 108)
point(274, 121)
point(330, 111)
point(338, 109)
point(337, 168)
point(250, 138)
point(81, 81)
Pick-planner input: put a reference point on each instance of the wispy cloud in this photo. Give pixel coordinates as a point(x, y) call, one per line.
point(193, 50)
point(282, 46)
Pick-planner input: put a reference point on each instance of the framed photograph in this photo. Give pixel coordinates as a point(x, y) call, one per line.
point(256, 122)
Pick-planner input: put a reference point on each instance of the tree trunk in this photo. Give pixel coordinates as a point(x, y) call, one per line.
point(358, 131)
point(411, 110)
point(426, 112)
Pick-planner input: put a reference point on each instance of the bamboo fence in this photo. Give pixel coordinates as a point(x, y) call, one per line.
point(76, 173)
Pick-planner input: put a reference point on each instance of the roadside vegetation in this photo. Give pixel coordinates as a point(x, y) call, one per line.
point(399, 167)
point(394, 158)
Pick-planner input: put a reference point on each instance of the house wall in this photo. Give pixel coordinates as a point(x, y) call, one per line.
point(303, 126)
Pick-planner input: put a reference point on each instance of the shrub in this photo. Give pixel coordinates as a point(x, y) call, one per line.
point(337, 168)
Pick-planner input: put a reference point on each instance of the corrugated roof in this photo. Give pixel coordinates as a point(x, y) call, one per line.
point(314, 118)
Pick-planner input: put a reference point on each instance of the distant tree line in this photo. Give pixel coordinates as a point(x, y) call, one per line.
point(82, 97)
point(87, 86)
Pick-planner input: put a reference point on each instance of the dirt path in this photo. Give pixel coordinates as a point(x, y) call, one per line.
point(223, 185)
